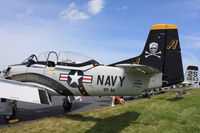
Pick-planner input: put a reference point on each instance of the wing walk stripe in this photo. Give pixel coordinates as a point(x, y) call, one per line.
point(83, 91)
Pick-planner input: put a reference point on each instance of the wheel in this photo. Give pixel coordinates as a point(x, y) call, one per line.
point(12, 116)
point(67, 106)
point(146, 95)
point(131, 98)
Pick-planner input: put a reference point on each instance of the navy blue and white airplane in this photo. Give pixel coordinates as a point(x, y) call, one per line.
point(67, 74)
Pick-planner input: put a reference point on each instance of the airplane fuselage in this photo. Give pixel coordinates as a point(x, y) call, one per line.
point(88, 80)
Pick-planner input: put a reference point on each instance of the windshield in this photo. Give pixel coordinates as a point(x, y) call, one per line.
point(32, 57)
point(72, 57)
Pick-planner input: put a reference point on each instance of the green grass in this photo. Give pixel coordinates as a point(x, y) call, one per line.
point(158, 114)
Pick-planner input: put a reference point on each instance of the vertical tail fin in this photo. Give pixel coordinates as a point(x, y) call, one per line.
point(162, 51)
point(191, 75)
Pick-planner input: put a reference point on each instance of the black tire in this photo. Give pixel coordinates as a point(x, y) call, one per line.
point(131, 98)
point(146, 95)
point(67, 106)
point(12, 116)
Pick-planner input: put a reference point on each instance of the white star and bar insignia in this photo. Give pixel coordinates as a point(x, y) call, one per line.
point(75, 78)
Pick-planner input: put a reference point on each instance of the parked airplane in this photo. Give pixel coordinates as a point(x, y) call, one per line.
point(68, 74)
point(191, 78)
point(191, 81)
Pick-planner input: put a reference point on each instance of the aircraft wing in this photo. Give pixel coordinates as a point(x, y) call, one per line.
point(136, 68)
point(14, 90)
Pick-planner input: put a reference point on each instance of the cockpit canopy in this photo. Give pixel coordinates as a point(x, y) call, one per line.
point(64, 58)
point(72, 57)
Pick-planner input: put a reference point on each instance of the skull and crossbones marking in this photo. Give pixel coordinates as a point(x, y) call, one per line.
point(153, 47)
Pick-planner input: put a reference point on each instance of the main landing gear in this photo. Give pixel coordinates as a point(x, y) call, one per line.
point(67, 104)
point(68, 101)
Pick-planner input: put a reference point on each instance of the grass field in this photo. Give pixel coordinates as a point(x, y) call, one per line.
point(158, 114)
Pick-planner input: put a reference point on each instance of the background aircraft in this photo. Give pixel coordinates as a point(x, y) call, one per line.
point(69, 74)
point(191, 81)
point(191, 78)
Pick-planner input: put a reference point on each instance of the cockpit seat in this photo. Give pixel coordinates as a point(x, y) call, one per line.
point(30, 62)
point(51, 64)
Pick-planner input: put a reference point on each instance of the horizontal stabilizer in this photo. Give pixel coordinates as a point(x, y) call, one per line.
point(136, 68)
point(14, 90)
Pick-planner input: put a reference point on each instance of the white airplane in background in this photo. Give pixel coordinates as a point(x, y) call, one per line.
point(66, 74)
point(191, 81)
point(191, 78)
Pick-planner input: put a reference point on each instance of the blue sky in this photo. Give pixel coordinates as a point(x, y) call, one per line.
point(106, 30)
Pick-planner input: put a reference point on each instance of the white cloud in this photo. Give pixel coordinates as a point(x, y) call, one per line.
point(72, 13)
point(72, 5)
point(95, 6)
point(122, 8)
point(25, 13)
